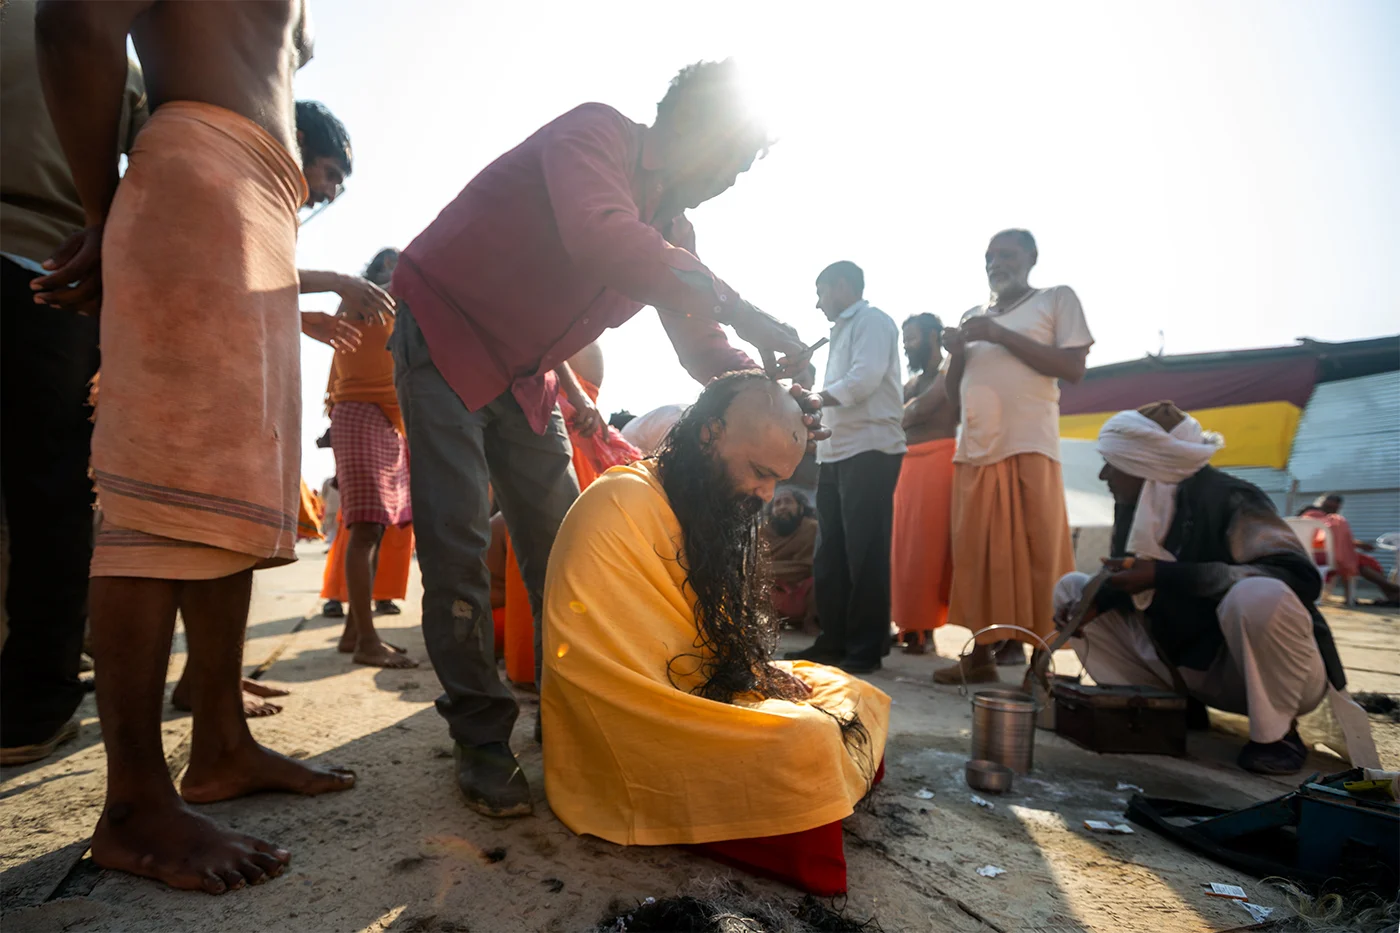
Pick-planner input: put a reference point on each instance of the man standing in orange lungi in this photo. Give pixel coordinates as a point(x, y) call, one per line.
point(1011, 540)
point(921, 557)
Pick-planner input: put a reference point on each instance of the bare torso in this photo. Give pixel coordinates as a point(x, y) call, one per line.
point(240, 56)
point(942, 422)
point(588, 364)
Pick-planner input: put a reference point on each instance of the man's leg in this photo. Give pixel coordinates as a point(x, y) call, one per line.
point(361, 559)
point(449, 483)
point(47, 357)
point(831, 577)
point(225, 761)
point(533, 476)
point(145, 827)
point(867, 515)
point(1272, 655)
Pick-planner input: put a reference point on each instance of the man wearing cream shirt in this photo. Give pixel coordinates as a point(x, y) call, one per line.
point(864, 403)
point(1011, 540)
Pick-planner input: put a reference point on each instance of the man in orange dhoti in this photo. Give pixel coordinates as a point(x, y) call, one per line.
point(921, 559)
point(666, 721)
point(196, 453)
point(1011, 540)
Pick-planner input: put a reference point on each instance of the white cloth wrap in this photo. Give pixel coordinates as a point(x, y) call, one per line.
point(1138, 446)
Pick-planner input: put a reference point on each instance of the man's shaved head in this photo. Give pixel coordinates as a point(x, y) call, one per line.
point(720, 462)
point(760, 438)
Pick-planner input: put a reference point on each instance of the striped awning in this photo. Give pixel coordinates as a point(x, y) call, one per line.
point(1255, 405)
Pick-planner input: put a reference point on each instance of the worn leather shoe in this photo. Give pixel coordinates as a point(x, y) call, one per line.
point(1286, 756)
point(490, 779)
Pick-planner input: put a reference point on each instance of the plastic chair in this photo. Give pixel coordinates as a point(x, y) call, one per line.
point(1307, 530)
point(1390, 541)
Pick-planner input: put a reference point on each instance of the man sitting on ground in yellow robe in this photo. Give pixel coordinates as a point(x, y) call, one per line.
point(665, 718)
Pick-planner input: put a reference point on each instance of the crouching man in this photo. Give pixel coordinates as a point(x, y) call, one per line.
point(1217, 600)
point(666, 721)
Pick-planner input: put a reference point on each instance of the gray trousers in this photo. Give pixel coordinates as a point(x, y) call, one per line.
point(453, 455)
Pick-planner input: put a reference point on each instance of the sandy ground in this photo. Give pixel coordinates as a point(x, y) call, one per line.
point(400, 852)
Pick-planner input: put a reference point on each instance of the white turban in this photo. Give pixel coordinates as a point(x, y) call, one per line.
point(1136, 445)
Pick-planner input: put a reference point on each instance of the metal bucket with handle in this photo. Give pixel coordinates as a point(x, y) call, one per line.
point(1003, 721)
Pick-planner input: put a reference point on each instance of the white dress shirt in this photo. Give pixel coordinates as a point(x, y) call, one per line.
point(862, 373)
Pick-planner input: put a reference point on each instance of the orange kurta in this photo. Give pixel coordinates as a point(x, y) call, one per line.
point(366, 374)
point(921, 552)
point(391, 575)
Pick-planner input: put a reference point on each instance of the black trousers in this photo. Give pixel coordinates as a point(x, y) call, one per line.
point(47, 358)
point(855, 510)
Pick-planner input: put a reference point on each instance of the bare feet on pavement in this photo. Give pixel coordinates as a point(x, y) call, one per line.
point(254, 769)
point(171, 843)
point(347, 642)
point(382, 654)
point(254, 696)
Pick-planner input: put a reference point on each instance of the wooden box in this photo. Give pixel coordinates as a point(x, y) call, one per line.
point(1121, 720)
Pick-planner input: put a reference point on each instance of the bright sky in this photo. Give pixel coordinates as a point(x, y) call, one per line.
point(1223, 173)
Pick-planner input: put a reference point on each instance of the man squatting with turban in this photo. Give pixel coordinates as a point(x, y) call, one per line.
point(1218, 599)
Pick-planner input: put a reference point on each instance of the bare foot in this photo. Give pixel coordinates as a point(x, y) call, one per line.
point(383, 654)
point(255, 769)
point(259, 689)
point(253, 707)
point(348, 640)
point(173, 844)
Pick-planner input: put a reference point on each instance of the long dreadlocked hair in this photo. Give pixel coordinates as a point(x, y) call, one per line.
point(737, 628)
point(727, 569)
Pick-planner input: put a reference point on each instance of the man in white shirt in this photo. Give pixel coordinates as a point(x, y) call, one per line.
point(864, 406)
point(1011, 540)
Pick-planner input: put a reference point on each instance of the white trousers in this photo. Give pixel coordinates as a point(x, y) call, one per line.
point(1270, 668)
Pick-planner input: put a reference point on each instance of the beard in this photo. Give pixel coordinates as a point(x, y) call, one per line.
point(918, 359)
point(737, 631)
point(785, 525)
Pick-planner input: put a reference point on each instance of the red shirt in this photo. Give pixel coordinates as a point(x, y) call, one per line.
point(553, 243)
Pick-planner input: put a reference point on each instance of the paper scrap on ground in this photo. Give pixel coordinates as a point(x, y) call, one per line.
point(983, 803)
point(1258, 912)
point(923, 793)
point(1123, 785)
point(1216, 889)
point(1103, 826)
point(990, 871)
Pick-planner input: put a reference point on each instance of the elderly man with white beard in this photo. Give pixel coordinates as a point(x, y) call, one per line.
point(1212, 593)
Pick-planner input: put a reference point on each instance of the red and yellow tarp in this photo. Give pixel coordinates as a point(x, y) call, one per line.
point(1254, 405)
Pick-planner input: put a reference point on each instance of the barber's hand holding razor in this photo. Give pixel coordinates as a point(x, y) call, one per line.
point(763, 330)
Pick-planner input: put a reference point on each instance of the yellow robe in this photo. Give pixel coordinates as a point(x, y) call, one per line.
point(634, 759)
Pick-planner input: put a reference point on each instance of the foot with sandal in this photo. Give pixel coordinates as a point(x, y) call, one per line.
point(980, 666)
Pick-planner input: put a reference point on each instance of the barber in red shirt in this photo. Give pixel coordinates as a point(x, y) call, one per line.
point(570, 233)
